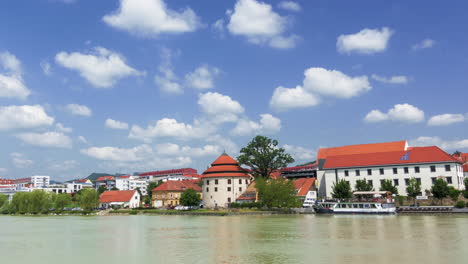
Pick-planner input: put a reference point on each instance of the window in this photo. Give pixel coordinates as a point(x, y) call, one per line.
point(207, 182)
point(216, 189)
point(382, 182)
point(240, 181)
point(240, 189)
point(433, 179)
point(395, 182)
point(229, 189)
point(216, 181)
point(229, 199)
point(229, 181)
point(395, 170)
point(358, 173)
point(346, 173)
point(246, 181)
point(407, 181)
point(418, 180)
point(370, 182)
point(416, 169)
point(381, 171)
point(447, 167)
point(406, 170)
point(369, 171)
point(433, 168)
point(449, 179)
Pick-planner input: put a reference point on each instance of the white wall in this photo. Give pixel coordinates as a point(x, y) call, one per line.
point(211, 198)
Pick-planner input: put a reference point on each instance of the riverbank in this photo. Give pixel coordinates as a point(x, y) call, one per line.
point(208, 212)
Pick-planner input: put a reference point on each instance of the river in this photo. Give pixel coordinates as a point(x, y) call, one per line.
point(234, 239)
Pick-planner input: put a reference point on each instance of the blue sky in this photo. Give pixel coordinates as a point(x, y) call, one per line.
point(125, 86)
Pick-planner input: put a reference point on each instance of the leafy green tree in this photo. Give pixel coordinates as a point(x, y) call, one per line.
point(413, 189)
point(465, 181)
point(114, 189)
point(40, 201)
point(453, 193)
point(190, 198)
point(101, 189)
point(63, 200)
point(387, 186)
point(440, 189)
point(3, 200)
point(263, 156)
point(279, 193)
point(341, 190)
point(89, 199)
point(363, 186)
point(20, 203)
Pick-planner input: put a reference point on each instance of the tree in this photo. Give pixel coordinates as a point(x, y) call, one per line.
point(278, 193)
point(387, 186)
point(440, 189)
point(88, 199)
point(363, 186)
point(190, 198)
point(101, 189)
point(453, 193)
point(456, 153)
point(413, 189)
point(341, 190)
point(465, 193)
point(3, 200)
point(62, 201)
point(263, 156)
point(40, 201)
point(149, 191)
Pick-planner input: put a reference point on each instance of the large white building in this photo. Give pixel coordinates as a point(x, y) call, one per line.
point(128, 182)
point(394, 161)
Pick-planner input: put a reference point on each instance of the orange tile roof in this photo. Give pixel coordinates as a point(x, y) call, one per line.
point(225, 166)
point(323, 153)
point(303, 185)
point(116, 196)
point(224, 159)
point(178, 186)
point(465, 168)
point(82, 180)
point(416, 155)
point(105, 178)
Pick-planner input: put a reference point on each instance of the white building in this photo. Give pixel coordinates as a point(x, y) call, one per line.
point(425, 164)
point(125, 199)
point(40, 181)
point(223, 182)
point(170, 175)
point(64, 188)
point(125, 183)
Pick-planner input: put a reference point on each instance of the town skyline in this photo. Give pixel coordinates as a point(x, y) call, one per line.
point(135, 86)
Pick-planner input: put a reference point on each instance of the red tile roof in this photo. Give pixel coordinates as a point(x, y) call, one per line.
point(303, 185)
point(225, 166)
point(301, 168)
point(178, 186)
point(415, 155)
point(465, 168)
point(125, 177)
point(105, 178)
point(323, 153)
point(82, 180)
point(116, 196)
point(170, 172)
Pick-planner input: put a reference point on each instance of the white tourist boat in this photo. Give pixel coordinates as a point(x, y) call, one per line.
point(355, 208)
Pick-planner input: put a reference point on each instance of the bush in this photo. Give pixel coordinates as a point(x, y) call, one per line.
point(133, 212)
point(401, 200)
point(460, 204)
point(465, 194)
point(235, 205)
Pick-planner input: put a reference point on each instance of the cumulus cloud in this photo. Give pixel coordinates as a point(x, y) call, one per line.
point(289, 6)
point(398, 79)
point(25, 116)
point(170, 149)
point(61, 128)
point(47, 139)
point(202, 77)
point(220, 108)
point(446, 119)
point(258, 22)
point(20, 161)
point(366, 41)
point(11, 81)
point(284, 99)
point(64, 166)
point(167, 127)
point(114, 124)
point(300, 153)
point(102, 68)
point(167, 80)
point(81, 110)
point(268, 125)
point(437, 141)
point(404, 113)
point(119, 154)
point(424, 44)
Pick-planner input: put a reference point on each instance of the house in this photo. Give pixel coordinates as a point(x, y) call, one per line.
point(107, 181)
point(129, 182)
point(394, 161)
point(169, 192)
point(125, 199)
point(224, 182)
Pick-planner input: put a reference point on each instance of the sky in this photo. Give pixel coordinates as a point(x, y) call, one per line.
point(123, 86)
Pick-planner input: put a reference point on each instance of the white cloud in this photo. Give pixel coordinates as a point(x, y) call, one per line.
point(150, 18)
point(11, 82)
point(424, 44)
point(20, 161)
point(167, 80)
point(300, 153)
point(404, 113)
point(102, 68)
point(137, 153)
point(202, 77)
point(268, 125)
point(46, 67)
point(114, 124)
point(446, 119)
point(47, 139)
point(170, 149)
point(398, 79)
point(218, 25)
point(437, 141)
point(81, 110)
point(227, 144)
point(290, 6)
point(258, 22)
point(166, 127)
point(366, 41)
point(83, 140)
point(25, 116)
point(220, 108)
point(61, 128)
point(64, 166)
point(284, 99)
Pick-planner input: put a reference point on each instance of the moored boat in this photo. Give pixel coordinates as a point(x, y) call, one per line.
point(355, 208)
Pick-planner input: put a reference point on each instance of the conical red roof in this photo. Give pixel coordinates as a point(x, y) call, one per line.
point(224, 159)
point(225, 166)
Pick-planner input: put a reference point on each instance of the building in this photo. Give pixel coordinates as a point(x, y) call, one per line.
point(305, 171)
point(129, 182)
point(395, 161)
point(169, 192)
point(170, 175)
point(124, 199)
point(224, 182)
point(107, 181)
point(64, 188)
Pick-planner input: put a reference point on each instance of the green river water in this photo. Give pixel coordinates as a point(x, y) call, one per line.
point(234, 239)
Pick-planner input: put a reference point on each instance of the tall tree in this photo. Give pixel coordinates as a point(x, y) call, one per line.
point(387, 186)
point(363, 186)
point(62, 201)
point(263, 156)
point(3, 200)
point(413, 189)
point(440, 189)
point(341, 190)
point(89, 199)
point(190, 198)
point(278, 193)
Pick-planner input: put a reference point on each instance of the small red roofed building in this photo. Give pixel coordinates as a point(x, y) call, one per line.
point(224, 182)
point(124, 199)
point(168, 193)
point(107, 181)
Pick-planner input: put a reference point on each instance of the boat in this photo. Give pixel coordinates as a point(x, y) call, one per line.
point(355, 208)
